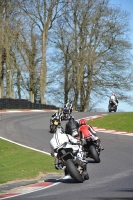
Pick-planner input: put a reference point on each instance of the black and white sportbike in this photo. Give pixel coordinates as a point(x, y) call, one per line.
point(112, 107)
point(74, 167)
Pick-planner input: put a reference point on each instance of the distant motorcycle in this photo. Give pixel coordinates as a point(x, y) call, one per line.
point(112, 107)
point(74, 167)
point(54, 124)
point(66, 114)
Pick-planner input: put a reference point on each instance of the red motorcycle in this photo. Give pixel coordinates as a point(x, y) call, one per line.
point(91, 147)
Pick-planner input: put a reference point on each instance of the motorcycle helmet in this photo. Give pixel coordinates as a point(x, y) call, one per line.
point(70, 101)
point(82, 122)
point(71, 117)
point(113, 93)
point(75, 133)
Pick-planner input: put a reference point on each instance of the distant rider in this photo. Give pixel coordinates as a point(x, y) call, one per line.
point(113, 99)
point(56, 115)
point(86, 130)
point(72, 126)
point(69, 106)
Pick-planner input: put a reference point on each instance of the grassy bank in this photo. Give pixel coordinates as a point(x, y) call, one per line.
point(20, 163)
point(119, 122)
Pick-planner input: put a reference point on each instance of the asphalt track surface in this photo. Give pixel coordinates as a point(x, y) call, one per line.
point(111, 179)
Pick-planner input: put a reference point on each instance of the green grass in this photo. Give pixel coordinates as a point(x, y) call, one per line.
point(119, 122)
point(17, 163)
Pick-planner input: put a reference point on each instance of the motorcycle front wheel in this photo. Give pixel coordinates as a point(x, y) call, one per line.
point(53, 129)
point(94, 154)
point(74, 173)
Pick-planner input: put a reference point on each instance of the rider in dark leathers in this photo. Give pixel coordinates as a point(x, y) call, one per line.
point(71, 127)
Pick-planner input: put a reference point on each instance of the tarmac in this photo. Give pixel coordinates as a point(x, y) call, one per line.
point(23, 187)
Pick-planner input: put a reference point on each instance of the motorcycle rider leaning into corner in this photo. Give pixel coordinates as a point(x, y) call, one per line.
point(61, 138)
point(113, 99)
point(86, 130)
point(57, 114)
point(72, 127)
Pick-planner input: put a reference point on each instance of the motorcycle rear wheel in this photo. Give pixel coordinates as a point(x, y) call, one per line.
point(74, 173)
point(94, 153)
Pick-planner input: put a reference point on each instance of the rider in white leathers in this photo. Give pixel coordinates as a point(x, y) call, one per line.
point(69, 106)
point(114, 99)
point(61, 139)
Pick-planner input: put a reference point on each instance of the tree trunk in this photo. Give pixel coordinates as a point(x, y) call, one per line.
point(7, 47)
point(43, 69)
point(18, 83)
point(31, 97)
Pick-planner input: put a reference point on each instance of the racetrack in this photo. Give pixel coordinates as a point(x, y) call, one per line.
point(112, 179)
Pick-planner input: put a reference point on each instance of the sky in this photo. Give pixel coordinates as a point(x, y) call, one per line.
point(126, 5)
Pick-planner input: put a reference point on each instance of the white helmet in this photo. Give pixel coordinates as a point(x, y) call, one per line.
point(113, 93)
point(75, 133)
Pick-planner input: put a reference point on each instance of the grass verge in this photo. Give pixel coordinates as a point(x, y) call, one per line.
point(118, 122)
point(18, 163)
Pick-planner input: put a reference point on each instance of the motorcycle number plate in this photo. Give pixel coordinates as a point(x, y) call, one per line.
point(55, 123)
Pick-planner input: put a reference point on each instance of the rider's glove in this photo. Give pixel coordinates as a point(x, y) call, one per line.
point(78, 142)
point(83, 141)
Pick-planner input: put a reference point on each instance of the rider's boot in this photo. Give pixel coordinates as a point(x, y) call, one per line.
point(85, 174)
point(98, 143)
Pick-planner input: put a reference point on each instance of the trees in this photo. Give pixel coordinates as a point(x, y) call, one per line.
point(98, 53)
point(42, 13)
point(8, 36)
point(28, 44)
point(2, 57)
point(89, 53)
